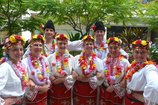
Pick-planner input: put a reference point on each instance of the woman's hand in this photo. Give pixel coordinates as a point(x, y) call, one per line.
point(52, 78)
point(58, 80)
point(44, 88)
point(100, 76)
point(74, 75)
point(31, 84)
point(110, 89)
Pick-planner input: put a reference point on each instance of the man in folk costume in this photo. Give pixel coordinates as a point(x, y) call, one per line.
point(87, 65)
point(37, 66)
point(100, 46)
point(141, 80)
point(50, 44)
point(62, 77)
point(13, 74)
point(115, 66)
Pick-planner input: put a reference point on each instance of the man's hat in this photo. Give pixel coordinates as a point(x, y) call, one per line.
point(98, 26)
point(49, 24)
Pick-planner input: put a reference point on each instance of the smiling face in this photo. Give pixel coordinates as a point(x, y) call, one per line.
point(62, 45)
point(15, 52)
point(114, 49)
point(88, 45)
point(36, 48)
point(99, 35)
point(49, 33)
point(140, 54)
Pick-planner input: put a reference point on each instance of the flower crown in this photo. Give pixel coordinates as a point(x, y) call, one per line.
point(16, 38)
point(62, 36)
point(140, 43)
point(113, 40)
point(87, 37)
point(38, 37)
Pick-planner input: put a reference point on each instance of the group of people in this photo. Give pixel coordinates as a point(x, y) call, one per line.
point(47, 74)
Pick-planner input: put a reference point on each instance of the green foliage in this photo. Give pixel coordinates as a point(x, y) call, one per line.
point(153, 50)
point(74, 37)
point(150, 14)
point(130, 35)
point(11, 12)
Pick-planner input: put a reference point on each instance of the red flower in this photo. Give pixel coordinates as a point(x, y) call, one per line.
point(53, 64)
point(18, 37)
point(61, 36)
point(39, 36)
point(33, 73)
point(138, 42)
point(94, 27)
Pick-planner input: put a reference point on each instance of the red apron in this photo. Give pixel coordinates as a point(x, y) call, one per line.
point(84, 94)
point(59, 95)
point(129, 100)
point(41, 99)
point(107, 98)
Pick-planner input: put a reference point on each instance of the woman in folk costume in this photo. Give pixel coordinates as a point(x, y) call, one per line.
point(87, 65)
point(114, 65)
point(142, 77)
point(13, 73)
point(62, 77)
point(37, 66)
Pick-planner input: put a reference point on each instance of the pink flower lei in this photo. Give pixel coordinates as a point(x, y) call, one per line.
point(21, 72)
point(113, 71)
point(39, 69)
point(62, 70)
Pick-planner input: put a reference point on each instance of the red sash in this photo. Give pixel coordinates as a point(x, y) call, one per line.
point(84, 94)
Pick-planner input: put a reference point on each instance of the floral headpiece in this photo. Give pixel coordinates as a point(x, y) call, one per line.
point(62, 36)
point(16, 39)
point(38, 37)
point(114, 40)
point(140, 43)
point(87, 37)
point(13, 39)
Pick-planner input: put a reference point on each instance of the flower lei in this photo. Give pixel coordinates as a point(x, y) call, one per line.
point(48, 51)
point(87, 68)
point(113, 71)
point(39, 69)
point(62, 65)
point(101, 47)
point(134, 67)
point(21, 72)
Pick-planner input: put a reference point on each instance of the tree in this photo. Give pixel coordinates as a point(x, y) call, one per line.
point(81, 14)
point(11, 12)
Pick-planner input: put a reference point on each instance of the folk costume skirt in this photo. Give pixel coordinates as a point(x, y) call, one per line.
point(109, 98)
point(41, 99)
point(84, 94)
point(59, 95)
